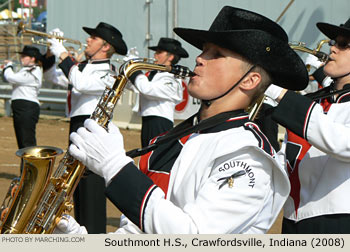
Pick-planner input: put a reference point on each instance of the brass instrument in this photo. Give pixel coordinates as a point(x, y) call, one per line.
point(121, 61)
point(300, 46)
point(43, 216)
point(21, 29)
point(25, 193)
point(321, 43)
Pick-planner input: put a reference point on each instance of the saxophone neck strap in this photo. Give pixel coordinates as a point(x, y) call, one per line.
point(183, 129)
point(327, 92)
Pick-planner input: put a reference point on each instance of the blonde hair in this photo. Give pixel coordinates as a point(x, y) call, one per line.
point(265, 82)
point(110, 51)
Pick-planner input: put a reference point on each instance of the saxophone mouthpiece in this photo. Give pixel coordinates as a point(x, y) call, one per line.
point(181, 71)
point(322, 56)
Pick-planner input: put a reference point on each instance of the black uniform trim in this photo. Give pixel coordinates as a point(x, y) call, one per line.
point(133, 76)
point(66, 65)
point(68, 62)
point(10, 66)
point(319, 75)
point(343, 98)
point(298, 113)
point(264, 143)
point(131, 195)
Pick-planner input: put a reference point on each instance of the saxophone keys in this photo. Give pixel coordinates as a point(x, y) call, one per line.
point(69, 206)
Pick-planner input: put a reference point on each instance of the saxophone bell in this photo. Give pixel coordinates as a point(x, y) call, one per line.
point(38, 162)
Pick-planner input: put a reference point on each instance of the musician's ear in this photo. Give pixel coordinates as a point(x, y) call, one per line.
point(171, 57)
point(251, 81)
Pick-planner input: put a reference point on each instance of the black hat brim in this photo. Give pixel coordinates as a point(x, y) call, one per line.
point(274, 55)
point(118, 43)
point(180, 51)
point(332, 31)
point(38, 57)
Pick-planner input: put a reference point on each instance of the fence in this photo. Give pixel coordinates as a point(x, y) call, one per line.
point(53, 100)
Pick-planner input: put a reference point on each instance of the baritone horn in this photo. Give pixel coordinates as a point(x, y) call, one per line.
point(21, 29)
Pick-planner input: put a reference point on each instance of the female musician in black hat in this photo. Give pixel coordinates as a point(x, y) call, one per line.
point(223, 175)
point(24, 99)
point(88, 80)
point(159, 92)
point(317, 150)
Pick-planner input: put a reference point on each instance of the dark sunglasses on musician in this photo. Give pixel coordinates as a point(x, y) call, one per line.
point(341, 44)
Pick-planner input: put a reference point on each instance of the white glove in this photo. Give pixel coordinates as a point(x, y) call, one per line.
point(327, 81)
point(132, 54)
point(101, 151)
point(273, 91)
point(313, 61)
point(56, 32)
point(8, 64)
point(56, 47)
point(68, 225)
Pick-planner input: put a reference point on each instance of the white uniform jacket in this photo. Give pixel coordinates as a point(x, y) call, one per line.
point(25, 83)
point(89, 79)
point(56, 76)
point(319, 167)
point(185, 187)
point(159, 96)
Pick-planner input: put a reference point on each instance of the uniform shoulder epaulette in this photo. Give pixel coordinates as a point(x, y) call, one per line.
point(31, 68)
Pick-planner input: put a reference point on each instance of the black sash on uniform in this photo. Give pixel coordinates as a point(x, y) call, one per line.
point(183, 129)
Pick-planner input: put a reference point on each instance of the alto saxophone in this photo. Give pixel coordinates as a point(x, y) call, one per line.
point(58, 192)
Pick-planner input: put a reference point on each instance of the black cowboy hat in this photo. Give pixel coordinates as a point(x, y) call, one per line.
point(32, 51)
point(332, 31)
point(170, 45)
point(260, 40)
point(110, 34)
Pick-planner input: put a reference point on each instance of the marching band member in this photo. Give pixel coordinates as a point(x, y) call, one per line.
point(24, 99)
point(159, 91)
point(317, 147)
point(88, 80)
point(224, 177)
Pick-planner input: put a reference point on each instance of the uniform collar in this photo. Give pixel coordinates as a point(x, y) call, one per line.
point(98, 61)
point(232, 119)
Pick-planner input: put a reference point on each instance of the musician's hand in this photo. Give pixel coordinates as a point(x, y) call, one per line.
point(57, 47)
point(8, 63)
point(274, 92)
point(101, 151)
point(68, 225)
point(313, 61)
point(56, 32)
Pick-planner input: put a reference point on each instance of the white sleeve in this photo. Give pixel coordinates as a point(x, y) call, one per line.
point(56, 76)
point(23, 77)
point(217, 210)
point(165, 88)
point(331, 134)
point(93, 83)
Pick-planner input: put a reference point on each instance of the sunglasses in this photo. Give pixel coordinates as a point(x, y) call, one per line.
point(342, 44)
